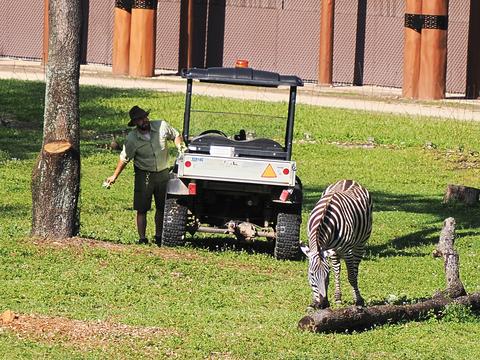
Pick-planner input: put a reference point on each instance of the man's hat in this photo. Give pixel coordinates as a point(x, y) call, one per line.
point(136, 113)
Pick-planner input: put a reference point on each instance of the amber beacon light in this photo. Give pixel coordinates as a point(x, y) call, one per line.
point(241, 63)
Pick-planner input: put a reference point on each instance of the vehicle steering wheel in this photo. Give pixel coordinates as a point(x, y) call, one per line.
point(218, 132)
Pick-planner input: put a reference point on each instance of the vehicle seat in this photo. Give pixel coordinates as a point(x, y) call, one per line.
point(256, 148)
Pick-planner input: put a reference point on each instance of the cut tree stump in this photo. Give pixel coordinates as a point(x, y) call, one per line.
point(360, 318)
point(465, 194)
point(57, 147)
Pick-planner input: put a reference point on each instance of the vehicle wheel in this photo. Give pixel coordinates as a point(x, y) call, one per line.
point(287, 245)
point(174, 223)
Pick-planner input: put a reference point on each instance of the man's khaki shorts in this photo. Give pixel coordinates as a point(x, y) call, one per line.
point(149, 183)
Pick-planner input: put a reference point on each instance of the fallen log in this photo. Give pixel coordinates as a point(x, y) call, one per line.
point(360, 318)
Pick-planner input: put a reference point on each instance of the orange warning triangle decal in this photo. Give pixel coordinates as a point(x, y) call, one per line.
point(269, 172)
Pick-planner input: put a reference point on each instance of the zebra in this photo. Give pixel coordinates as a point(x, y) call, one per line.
point(338, 227)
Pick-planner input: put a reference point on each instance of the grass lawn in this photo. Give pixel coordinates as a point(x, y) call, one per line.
point(102, 295)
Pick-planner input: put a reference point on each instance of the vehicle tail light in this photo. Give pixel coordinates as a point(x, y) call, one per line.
point(192, 188)
point(286, 171)
point(188, 163)
point(285, 194)
point(241, 63)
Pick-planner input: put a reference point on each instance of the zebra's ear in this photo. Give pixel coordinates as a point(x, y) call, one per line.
point(305, 249)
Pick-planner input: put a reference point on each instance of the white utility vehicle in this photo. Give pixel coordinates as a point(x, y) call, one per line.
point(238, 183)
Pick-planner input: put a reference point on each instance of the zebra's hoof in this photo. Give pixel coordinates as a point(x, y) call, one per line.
point(317, 305)
point(360, 303)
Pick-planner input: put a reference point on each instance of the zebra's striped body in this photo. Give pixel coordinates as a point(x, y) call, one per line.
point(339, 226)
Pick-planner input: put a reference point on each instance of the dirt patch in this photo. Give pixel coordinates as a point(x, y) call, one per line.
point(80, 334)
point(458, 159)
point(354, 145)
point(79, 244)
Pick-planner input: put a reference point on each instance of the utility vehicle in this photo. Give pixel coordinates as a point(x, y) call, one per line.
point(232, 180)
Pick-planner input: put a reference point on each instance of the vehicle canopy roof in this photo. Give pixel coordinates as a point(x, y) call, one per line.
point(241, 76)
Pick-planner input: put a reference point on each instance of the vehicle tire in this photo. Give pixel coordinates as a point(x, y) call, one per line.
point(174, 223)
point(287, 245)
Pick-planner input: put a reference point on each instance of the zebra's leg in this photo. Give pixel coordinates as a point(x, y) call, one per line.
point(352, 262)
point(336, 270)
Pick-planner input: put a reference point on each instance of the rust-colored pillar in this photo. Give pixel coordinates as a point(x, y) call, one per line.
point(433, 53)
point(411, 50)
point(325, 61)
point(121, 36)
point(190, 24)
point(472, 90)
point(45, 33)
point(142, 38)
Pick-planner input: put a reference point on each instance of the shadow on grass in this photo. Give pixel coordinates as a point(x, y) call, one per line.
point(22, 103)
point(229, 243)
point(22, 109)
point(14, 211)
point(465, 217)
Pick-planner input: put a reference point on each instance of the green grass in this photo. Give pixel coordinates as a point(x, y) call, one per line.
point(222, 300)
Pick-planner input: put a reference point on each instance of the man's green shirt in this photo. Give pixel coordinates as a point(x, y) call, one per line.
point(149, 152)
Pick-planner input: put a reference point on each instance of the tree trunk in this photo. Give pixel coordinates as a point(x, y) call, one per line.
point(56, 175)
point(465, 194)
point(356, 318)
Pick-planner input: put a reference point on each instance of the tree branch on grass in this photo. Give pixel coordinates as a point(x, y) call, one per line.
point(354, 318)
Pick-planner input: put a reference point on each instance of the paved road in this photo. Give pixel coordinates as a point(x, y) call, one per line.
point(364, 98)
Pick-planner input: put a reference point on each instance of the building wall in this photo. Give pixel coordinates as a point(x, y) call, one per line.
point(276, 35)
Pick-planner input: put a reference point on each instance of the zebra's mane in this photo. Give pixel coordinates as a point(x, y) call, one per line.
point(321, 217)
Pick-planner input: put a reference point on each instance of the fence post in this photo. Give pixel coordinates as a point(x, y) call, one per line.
point(411, 50)
point(45, 33)
point(433, 54)
point(472, 90)
point(325, 61)
point(121, 36)
point(190, 27)
point(142, 38)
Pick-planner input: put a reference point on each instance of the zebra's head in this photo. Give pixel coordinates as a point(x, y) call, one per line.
point(318, 271)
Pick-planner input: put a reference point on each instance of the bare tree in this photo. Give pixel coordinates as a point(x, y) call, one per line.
point(56, 175)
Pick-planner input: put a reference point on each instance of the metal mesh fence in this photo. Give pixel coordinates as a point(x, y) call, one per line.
point(168, 35)
point(21, 26)
point(275, 35)
point(100, 32)
point(457, 45)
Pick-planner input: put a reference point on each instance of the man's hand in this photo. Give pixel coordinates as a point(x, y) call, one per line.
point(110, 181)
point(181, 148)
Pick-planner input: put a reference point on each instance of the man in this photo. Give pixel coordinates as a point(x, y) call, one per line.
point(146, 145)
